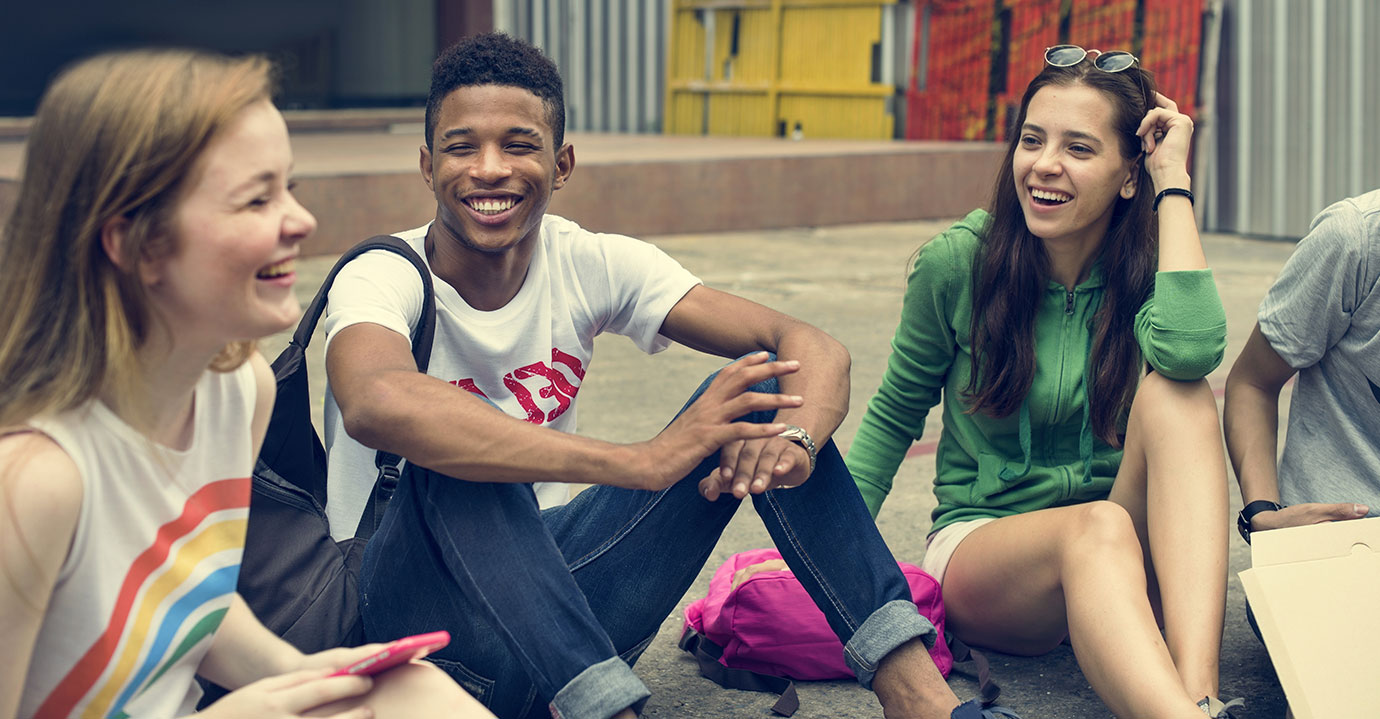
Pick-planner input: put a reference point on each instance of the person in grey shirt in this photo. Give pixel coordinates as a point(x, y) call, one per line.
point(1321, 321)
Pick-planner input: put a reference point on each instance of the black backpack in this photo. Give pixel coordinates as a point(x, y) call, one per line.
point(301, 583)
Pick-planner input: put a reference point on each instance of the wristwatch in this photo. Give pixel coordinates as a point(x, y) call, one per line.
point(1248, 512)
point(802, 438)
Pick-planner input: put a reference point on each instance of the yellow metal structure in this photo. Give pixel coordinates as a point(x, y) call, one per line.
point(772, 67)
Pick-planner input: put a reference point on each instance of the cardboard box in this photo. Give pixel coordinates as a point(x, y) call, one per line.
point(1315, 592)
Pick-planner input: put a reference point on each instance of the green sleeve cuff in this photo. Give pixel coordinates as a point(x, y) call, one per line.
point(872, 495)
point(1182, 329)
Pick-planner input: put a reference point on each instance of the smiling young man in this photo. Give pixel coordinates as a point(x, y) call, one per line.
point(549, 601)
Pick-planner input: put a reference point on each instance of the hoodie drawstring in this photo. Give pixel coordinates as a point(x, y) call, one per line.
point(1085, 435)
point(1006, 475)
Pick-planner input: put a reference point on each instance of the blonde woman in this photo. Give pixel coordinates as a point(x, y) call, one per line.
point(153, 240)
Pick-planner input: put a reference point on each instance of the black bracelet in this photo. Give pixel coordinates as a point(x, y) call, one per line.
point(1170, 191)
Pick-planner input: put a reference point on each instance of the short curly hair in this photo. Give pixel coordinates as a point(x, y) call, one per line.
point(496, 58)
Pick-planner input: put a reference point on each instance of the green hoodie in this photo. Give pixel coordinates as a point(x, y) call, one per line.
point(988, 467)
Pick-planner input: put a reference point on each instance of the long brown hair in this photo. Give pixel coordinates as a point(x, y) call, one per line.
point(115, 136)
point(1012, 270)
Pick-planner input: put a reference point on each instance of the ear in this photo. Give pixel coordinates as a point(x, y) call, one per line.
point(425, 162)
point(114, 233)
point(1128, 187)
point(114, 236)
point(565, 164)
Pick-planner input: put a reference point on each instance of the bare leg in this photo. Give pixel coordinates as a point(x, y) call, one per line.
point(1173, 483)
point(909, 685)
point(1020, 583)
point(413, 690)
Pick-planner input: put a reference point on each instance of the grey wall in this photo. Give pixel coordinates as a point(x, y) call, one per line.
point(397, 41)
point(332, 52)
point(1298, 110)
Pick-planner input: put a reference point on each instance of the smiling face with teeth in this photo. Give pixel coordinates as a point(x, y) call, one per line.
point(493, 169)
point(1068, 167)
point(236, 233)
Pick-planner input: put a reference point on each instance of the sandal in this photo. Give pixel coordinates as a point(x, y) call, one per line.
point(973, 709)
point(1215, 709)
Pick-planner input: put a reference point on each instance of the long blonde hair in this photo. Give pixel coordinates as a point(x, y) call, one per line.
point(115, 136)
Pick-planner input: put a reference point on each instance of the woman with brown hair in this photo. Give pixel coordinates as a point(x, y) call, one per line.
point(1079, 495)
point(153, 241)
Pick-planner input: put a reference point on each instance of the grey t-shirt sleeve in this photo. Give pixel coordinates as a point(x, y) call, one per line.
point(1309, 307)
point(1321, 317)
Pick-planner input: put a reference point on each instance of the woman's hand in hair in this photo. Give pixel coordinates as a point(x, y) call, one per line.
point(1166, 136)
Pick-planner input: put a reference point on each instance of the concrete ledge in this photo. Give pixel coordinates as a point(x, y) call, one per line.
point(365, 183)
point(715, 195)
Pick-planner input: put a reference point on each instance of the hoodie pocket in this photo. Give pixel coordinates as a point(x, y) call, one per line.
point(989, 483)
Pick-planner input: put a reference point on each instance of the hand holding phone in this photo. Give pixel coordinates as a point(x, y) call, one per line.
point(401, 651)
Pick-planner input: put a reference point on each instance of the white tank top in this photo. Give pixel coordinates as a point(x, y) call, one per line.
point(154, 559)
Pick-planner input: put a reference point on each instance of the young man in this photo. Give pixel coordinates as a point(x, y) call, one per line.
point(549, 607)
point(1320, 320)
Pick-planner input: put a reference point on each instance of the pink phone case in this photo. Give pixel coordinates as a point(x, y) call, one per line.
point(399, 652)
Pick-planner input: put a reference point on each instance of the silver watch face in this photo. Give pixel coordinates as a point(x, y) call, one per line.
point(802, 438)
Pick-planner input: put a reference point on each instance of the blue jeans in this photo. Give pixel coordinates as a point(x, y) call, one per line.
point(548, 610)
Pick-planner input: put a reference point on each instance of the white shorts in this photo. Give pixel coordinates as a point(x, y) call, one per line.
point(939, 548)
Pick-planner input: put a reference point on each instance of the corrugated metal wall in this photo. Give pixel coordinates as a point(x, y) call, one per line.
point(1298, 113)
point(612, 56)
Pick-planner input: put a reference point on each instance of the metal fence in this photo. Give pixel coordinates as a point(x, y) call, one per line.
point(611, 53)
point(974, 58)
point(1298, 102)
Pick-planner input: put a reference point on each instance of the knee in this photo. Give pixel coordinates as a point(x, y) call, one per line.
point(421, 689)
point(1103, 531)
point(1178, 403)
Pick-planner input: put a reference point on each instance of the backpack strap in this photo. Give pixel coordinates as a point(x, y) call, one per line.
point(425, 330)
point(981, 669)
point(707, 653)
point(388, 464)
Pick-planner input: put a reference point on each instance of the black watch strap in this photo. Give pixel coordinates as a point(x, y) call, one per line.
point(1248, 512)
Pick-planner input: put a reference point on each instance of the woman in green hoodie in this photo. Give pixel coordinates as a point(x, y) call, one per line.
point(1080, 479)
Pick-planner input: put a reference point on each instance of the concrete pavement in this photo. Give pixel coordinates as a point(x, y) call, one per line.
point(848, 280)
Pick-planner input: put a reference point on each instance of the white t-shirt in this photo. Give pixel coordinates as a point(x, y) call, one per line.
point(154, 560)
point(527, 357)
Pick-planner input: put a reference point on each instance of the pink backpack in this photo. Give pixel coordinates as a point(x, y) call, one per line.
point(768, 631)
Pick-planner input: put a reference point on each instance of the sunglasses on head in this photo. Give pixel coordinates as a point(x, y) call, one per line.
point(1070, 55)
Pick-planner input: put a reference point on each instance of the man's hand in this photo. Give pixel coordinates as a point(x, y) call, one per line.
point(1298, 515)
point(707, 425)
point(769, 463)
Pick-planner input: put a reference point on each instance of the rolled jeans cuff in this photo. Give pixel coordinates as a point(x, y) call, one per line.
point(601, 691)
point(894, 624)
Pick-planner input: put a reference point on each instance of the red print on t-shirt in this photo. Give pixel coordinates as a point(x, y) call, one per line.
point(551, 384)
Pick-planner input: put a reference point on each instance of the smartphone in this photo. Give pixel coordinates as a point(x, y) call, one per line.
point(399, 652)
